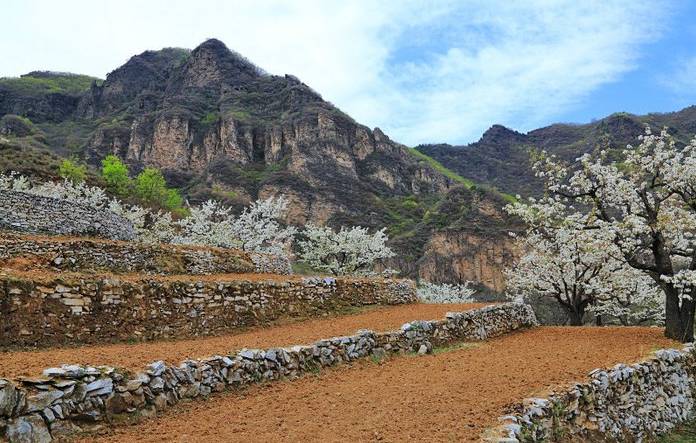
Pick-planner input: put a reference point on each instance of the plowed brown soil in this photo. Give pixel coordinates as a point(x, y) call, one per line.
point(135, 356)
point(452, 396)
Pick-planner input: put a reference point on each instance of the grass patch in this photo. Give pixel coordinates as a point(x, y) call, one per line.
point(436, 165)
point(209, 119)
point(467, 183)
point(43, 83)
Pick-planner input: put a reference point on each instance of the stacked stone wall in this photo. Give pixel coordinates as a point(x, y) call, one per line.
point(74, 398)
point(90, 255)
point(58, 309)
point(24, 212)
point(631, 403)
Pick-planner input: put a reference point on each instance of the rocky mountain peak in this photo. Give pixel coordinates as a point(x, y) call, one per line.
point(499, 134)
point(213, 63)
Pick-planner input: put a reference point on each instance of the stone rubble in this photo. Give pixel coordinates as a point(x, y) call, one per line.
point(625, 403)
point(77, 398)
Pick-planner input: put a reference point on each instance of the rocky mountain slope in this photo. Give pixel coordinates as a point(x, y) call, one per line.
point(220, 127)
point(501, 157)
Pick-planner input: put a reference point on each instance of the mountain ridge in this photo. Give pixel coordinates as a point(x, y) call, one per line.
point(500, 158)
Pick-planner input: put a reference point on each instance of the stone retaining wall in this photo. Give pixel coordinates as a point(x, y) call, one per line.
point(24, 212)
point(74, 398)
point(626, 403)
point(88, 309)
point(93, 255)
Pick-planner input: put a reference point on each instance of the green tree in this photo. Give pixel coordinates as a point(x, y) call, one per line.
point(115, 174)
point(173, 200)
point(71, 170)
point(151, 187)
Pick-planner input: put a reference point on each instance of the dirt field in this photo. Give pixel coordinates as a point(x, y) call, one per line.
point(451, 396)
point(135, 356)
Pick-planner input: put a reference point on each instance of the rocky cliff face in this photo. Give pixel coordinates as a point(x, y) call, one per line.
point(214, 115)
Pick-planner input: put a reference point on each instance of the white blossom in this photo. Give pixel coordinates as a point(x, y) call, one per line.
point(346, 252)
point(643, 205)
point(445, 293)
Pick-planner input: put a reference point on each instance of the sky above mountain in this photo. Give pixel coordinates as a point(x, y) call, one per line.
point(423, 71)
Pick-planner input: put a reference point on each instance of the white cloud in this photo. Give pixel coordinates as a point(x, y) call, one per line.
point(422, 71)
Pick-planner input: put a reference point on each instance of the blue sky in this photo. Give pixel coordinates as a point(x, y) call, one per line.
point(423, 71)
point(663, 79)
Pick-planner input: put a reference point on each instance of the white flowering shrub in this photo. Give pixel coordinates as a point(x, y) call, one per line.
point(445, 293)
point(209, 224)
point(643, 209)
point(14, 182)
point(350, 251)
point(64, 190)
point(255, 230)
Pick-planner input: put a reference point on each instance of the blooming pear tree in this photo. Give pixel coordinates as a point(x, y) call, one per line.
point(629, 297)
point(257, 228)
point(445, 293)
point(351, 251)
point(563, 263)
point(644, 205)
point(209, 224)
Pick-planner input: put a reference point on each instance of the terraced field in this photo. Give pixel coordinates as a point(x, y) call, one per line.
point(135, 356)
point(452, 395)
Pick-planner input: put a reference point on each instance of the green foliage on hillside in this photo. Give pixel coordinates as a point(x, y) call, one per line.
point(149, 188)
point(436, 165)
point(69, 137)
point(210, 118)
point(685, 433)
point(467, 183)
point(43, 83)
point(115, 174)
point(72, 170)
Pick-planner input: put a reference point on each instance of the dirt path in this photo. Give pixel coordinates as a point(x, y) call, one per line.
point(135, 356)
point(452, 396)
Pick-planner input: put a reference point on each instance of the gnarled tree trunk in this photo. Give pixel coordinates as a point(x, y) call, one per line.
point(679, 318)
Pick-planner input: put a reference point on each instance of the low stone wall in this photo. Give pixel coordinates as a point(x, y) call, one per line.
point(61, 309)
point(93, 255)
point(74, 398)
point(626, 403)
point(24, 212)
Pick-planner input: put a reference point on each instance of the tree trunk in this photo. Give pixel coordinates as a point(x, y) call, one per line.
point(598, 321)
point(575, 314)
point(679, 320)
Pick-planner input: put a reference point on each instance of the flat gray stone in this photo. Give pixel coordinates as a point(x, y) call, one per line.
point(28, 429)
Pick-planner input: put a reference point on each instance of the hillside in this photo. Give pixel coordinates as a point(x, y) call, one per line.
point(220, 127)
point(501, 157)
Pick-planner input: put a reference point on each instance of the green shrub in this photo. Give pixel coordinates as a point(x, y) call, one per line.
point(151, 187)
point(115, 174)
point(71, 170)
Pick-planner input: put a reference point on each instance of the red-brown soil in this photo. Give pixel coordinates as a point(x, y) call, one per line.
point(451, 396)
point(135, 356)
